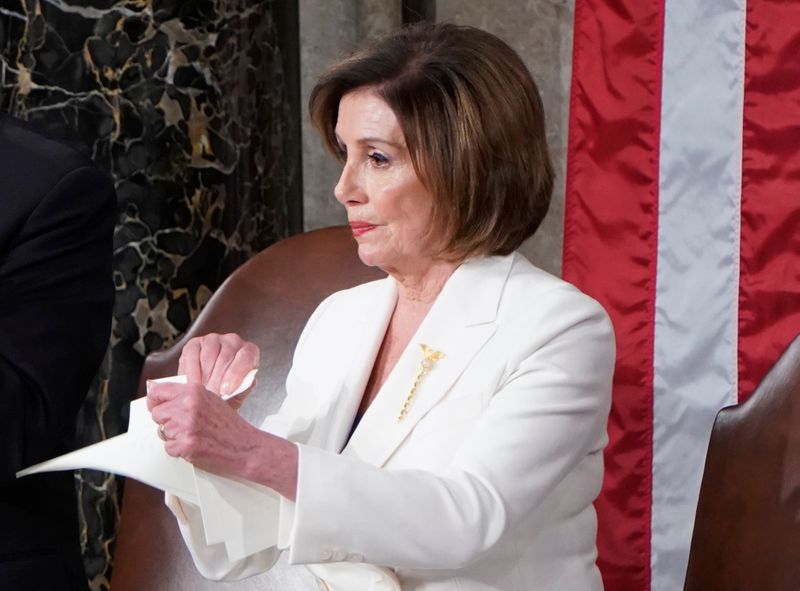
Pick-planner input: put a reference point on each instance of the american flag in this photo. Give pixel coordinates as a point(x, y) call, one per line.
point(683, 219)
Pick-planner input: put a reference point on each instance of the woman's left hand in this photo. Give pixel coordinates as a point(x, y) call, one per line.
point(198, 426)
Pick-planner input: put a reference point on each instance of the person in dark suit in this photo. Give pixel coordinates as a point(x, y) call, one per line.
point(56, 296)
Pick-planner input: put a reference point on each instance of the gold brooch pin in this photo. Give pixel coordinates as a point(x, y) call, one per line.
point(429, 359)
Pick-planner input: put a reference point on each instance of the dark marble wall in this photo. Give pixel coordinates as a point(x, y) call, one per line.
point(192, 106)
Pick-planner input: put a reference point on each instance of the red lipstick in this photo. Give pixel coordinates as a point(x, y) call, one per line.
point(361, 228)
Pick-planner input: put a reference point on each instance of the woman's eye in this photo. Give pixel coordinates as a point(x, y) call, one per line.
point(378, 158)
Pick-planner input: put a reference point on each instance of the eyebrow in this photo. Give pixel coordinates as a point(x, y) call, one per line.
point(374, 140)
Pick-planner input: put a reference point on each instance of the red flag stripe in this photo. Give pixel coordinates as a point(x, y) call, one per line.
point(610, 248)
point(769, 287)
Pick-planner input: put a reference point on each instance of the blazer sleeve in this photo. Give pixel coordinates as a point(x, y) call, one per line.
point(56, 295)
point(211, 560)
point(543, 420)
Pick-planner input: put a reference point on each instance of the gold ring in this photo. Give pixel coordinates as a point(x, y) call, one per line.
point(161, 432)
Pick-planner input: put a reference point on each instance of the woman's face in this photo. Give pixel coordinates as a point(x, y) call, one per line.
point(388, 208)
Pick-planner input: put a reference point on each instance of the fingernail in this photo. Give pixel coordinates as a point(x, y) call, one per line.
point(225, 388)
point(147, 384)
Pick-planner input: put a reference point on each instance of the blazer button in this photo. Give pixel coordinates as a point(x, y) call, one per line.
point(325, 555)
point(339, 555)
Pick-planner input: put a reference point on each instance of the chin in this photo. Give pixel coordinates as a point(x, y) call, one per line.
point(375, 257)
point(368, 257)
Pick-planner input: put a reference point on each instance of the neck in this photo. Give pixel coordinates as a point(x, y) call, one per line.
point(421, 287)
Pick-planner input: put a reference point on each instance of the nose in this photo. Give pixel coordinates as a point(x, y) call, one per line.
point(348, 190)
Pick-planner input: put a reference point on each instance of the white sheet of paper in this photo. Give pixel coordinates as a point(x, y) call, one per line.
point(138, 454)
point(241, 514)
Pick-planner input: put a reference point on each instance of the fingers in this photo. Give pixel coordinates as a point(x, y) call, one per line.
point(166, 399)
point(189, 363)
point(173, 448)
point(181, 411)
point(228, 347)
point(158, 393)
point(220, 362)
point(210, 348)
point(245, 359)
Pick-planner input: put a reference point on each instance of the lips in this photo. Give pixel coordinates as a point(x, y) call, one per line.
point(361, 228)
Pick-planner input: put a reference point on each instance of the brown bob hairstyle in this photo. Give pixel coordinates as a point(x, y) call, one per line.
point(473, 124)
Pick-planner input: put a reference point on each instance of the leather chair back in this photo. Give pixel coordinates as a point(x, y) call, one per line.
point(747, 528)
point(267, 301)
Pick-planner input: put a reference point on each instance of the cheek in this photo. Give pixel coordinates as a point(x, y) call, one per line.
point(418, 211)
point(417, 223)
point(400, 200)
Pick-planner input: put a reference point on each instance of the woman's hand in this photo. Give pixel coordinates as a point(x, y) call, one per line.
point(198, 426)
point(219, 362)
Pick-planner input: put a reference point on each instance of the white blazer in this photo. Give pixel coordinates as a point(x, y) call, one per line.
point(488, 482)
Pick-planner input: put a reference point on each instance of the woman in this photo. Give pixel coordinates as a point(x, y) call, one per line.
point(443, 427)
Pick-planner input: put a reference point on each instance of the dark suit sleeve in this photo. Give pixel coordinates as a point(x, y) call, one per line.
point(56, 296)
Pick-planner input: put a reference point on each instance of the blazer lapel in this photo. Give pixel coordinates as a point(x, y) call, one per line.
point(460, 322)
point(358, 356)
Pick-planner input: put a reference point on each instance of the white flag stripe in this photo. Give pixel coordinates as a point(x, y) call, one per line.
point(696, 304)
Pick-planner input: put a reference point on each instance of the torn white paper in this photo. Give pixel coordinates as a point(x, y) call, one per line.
point(238, 513)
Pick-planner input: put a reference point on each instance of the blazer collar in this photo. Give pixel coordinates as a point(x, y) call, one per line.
point(461, 320)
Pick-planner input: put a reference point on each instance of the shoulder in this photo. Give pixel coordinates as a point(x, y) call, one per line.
point(32, 163)
point(530, 287)
point(548, 329)
point(537, 308)
point(24, 146)
point(47, 179)
point(523, 291)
